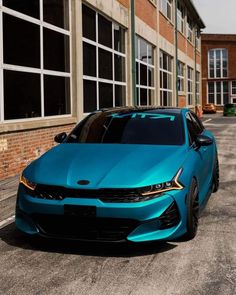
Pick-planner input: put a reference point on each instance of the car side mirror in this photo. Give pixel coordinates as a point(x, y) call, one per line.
point(59, 138)
point(203, 140)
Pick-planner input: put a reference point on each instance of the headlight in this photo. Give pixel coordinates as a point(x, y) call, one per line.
point(174, 184)
point(27, 183)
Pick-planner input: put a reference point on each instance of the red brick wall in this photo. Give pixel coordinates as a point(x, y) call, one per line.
point(181, 42)
point(25, 146)
point(146, 11)
point(166, 28)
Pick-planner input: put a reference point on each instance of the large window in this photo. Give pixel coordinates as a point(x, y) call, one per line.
point(190, 26)
point(218, 63)
point(218, 92)
point(166, 8)
point(166, 79)
point(104, 62)
point(181, 78)
point(35, 72)
point(180, 17)
point(198, 87)
point(233, 92)
point(144, 72)
point(190, 85)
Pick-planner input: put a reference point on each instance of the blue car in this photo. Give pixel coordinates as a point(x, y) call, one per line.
point(122, 174)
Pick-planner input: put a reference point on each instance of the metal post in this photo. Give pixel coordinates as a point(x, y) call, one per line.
point(133, 56)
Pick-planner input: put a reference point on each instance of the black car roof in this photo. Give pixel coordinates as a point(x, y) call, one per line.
point(168, 110)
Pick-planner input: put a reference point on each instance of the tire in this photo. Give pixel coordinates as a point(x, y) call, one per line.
point(216, 177)
point(192, 211)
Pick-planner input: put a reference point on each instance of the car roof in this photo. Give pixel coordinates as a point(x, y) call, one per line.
point(152, 109)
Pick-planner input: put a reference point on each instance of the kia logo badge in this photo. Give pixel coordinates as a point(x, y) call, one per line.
point(83, 182)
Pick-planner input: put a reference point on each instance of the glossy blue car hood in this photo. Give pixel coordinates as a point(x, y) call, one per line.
point(107, 165)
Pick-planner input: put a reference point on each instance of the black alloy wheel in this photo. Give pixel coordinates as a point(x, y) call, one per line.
point(192, 211)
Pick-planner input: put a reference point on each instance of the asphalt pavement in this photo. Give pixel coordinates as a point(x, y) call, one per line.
point(205, 265)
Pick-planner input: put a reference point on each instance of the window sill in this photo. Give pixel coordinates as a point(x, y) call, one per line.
point(36, 124)
point(153, 2)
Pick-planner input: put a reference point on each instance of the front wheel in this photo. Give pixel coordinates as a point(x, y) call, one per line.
point(192, 211)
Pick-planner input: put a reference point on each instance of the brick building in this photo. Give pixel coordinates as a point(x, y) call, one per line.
point(61, 59)
point(218, 69)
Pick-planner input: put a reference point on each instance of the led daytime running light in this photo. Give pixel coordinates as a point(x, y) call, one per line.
point(175, 185)
point(27, 183)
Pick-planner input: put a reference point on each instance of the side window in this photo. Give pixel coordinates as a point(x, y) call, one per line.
point(191, 129)
point(197, 123)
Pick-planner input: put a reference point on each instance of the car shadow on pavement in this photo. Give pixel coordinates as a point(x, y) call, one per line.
point(10, 235)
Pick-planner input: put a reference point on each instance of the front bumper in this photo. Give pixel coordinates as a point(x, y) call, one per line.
point(162, 218)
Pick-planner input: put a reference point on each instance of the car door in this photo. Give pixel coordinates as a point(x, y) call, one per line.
point(204, 155)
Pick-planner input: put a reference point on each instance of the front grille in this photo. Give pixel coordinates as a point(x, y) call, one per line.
point(96, 229)
point(105, 195)
point(170, 217)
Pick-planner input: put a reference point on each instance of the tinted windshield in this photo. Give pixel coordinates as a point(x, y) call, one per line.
point(130, 128)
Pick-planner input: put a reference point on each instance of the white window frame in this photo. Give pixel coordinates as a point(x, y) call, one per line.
point(215, 92)
point(3, 66)
point(169, 72)
point(221, 63)
point(114, 52)
point(233, 88)
point(180, 17)
point(190, 89)
point(198, 75)
point(164, 5)
point(148, 65)
point(181, 76)
point(190, 29)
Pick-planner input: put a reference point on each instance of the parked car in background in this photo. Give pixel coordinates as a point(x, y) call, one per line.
point(209, 108)
point(122, 174)
point(230, 109)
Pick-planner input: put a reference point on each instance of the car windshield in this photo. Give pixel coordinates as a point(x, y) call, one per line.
point(130, 128)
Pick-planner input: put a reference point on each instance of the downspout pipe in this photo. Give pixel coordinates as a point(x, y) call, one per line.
point(195, 67)
point(176, 56)
point(133, 53)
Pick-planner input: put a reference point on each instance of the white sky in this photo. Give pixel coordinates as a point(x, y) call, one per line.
point(219, 16)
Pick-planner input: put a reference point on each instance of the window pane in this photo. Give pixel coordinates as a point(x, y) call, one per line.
point(89, 59)
point(150, 54)
point(30, 7)
point(56, 12)
point(143, 50)
point(89, 23)
point(119, 95)
point(150, 97)
point(90, 96)
point(137, 73)
point(143, 96)
point(21, 42)
point(226, 98)
point(105, 64)
point(119, 68)
point(211, 98)
point(21, 95)
point(150, 77)
point(56, 51)
point(119, 38)
point(143, 74)
point(105, 95)
point(56, 95)
point(104, 31)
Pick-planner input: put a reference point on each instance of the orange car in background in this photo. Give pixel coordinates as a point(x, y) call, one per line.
point(209, 108)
